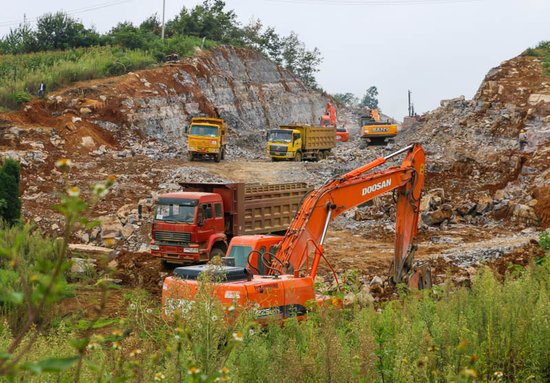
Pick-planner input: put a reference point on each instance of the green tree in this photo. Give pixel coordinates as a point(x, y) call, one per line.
point(128, 36)
point(152, 24)
point(10, 204)
point(370, 99)
point(19, 40)
point(56, 31)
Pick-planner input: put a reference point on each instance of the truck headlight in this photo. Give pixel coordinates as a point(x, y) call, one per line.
point(190, 249)
point(155, 247)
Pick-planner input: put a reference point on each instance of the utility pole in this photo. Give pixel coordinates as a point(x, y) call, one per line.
point(410, 108)
point(163, 10)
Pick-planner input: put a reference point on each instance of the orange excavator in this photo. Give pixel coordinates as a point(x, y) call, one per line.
point(329, 118)
point(290, 270)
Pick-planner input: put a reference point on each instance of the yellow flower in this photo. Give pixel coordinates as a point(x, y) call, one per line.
point(117, 332)
point(93, 346)
point(135, 352)
point(116, 346)
point(469, 373)
point(110, 181)
point(193, 371)
point(224, 370)
point(74, 191)
point(238, 336)
point(159, 376)
point(499, 374)
point(63, 164)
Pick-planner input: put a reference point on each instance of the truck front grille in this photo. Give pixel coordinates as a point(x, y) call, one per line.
point(170, 236)
point(277, 149)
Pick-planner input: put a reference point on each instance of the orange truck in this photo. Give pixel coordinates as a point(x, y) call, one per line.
point(285, 285)
point(196, 224)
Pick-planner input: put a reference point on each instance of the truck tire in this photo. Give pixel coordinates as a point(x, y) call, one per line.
point(165, 265)
point(298, 157)
point(216, 252)
point(218, 157)
point(223, 153)
point(190, 157)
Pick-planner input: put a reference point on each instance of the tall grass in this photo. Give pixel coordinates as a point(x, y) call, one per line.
point(494, 332)
point(21, 74)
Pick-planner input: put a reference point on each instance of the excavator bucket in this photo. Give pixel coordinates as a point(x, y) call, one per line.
point(420, 276)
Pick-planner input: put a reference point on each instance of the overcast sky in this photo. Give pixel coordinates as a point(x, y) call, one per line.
point(438, 49)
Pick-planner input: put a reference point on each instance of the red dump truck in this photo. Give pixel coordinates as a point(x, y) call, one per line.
point(196, 224)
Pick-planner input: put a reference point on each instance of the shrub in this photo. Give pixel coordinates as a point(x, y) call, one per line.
point(10, 203)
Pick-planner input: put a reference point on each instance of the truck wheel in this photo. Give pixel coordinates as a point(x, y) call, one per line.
point(216, 252)
point(298, 157)
point(190, 157)
point(223, 154)
point(165, 265)
point(218, 157)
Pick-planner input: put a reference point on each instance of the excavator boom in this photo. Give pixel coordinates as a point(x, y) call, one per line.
point(306, 234)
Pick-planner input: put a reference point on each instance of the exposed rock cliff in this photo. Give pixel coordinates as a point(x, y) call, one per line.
point(473, 148)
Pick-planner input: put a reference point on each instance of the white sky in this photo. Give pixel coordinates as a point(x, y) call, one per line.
point(439, 49)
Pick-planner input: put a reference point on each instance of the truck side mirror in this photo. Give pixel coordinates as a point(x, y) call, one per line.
point(186, 129)
point(140, 212)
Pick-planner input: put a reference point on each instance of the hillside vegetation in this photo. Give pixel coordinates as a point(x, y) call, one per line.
point(543, 51)
point(60, 50)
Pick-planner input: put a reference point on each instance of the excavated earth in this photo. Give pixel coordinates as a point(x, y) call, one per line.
point(486, 201)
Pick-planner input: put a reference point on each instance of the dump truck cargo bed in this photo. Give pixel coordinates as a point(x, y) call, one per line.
point(255, 208)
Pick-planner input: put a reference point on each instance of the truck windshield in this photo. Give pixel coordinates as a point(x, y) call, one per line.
point(240, 253)
point(175, 213)
point(204, 130)
point(280, 136)
point(366, 121)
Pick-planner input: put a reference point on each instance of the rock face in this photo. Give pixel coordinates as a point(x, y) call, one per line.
point(473, 149)
point(241, 86)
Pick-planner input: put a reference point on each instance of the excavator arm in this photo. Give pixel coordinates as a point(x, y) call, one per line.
point(306, 234)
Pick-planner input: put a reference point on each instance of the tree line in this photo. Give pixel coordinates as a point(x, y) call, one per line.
point(209, 20)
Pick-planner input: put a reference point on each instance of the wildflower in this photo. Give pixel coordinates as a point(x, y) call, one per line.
point(93, 346)
point(74, 191)
point(214, 318)
point(110, 181)
point(251, 332)
point(231, 308)
point(238, 336)
point(499, 374)
point(100, 190)
point(469, 373)
point(117, 332)
point(116, 346)
point(224, 370)
point(135, 352)
point(133, 306)
point(149, 311)
point(193, 371)
point(63, 164)
point(159, 376)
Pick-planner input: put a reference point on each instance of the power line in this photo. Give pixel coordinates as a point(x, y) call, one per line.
point(71, 12)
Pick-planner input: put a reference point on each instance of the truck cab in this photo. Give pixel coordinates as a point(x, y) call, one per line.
point(206, 138)
point(251, 248)
point(284, 143)
point(188, 227)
